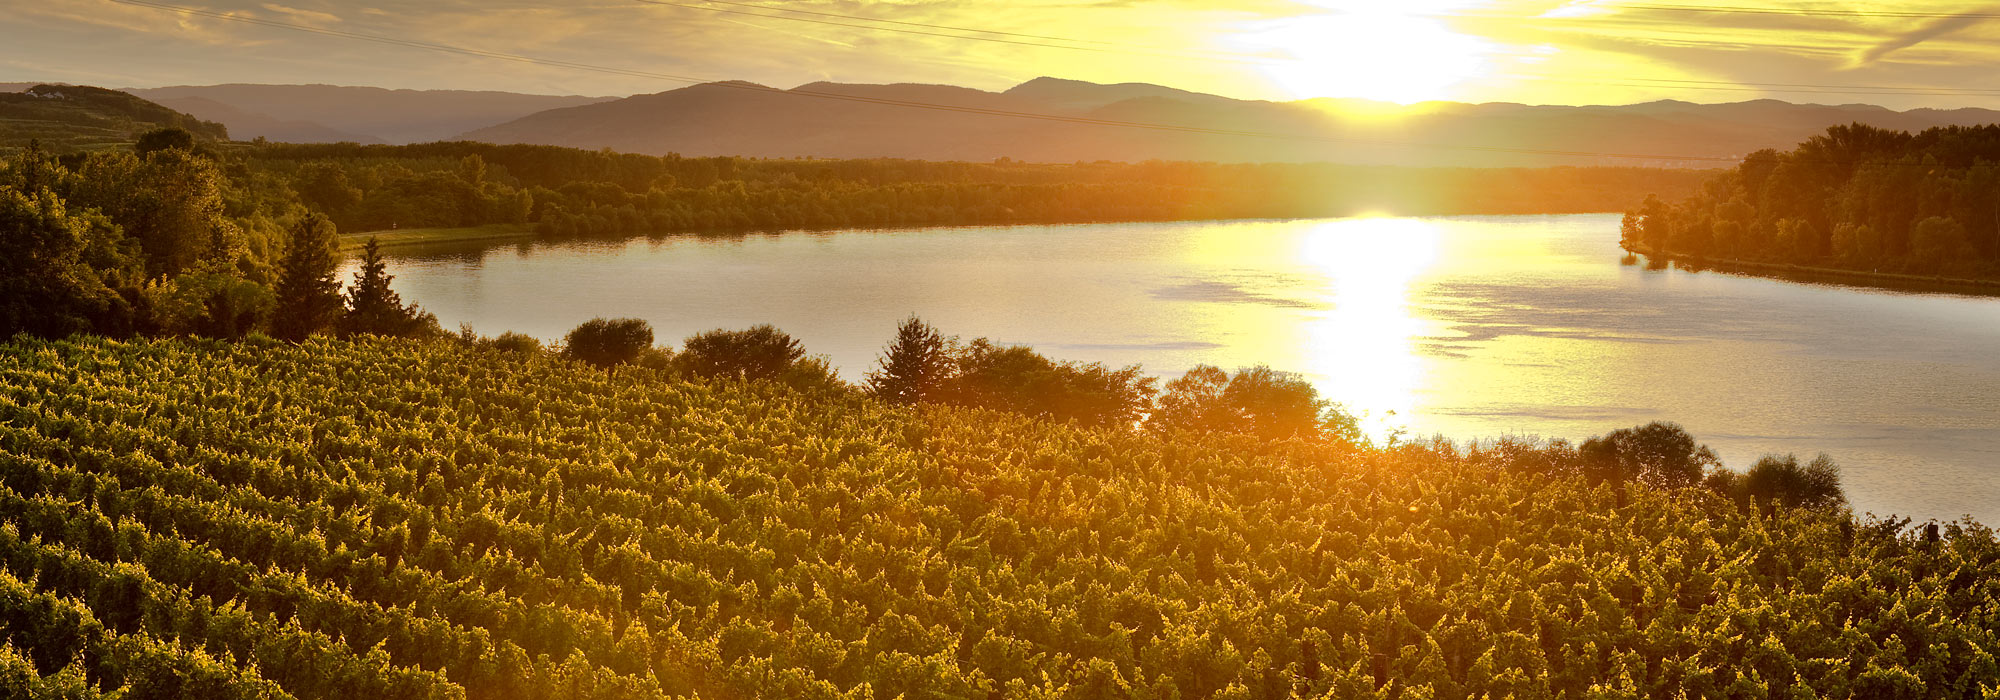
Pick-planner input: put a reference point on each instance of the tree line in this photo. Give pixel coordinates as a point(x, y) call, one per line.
point(566, 191)
point(1857, 197)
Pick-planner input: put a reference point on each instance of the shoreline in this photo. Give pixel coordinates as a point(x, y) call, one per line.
point(351, 243)
point(1828, 275)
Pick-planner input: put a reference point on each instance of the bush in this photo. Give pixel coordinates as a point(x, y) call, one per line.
point(608, 342)
point(1659, 454)
point(511, 341)
point(760, 352)
point(1257, 401)
point(1014, 378)
point(1781, 481)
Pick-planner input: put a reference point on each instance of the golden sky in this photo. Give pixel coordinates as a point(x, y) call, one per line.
point(1902, 55)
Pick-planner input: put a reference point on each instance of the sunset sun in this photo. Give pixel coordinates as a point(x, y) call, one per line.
point(1387, 51)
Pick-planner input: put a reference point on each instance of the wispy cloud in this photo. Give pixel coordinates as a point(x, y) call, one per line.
point(1930, 30)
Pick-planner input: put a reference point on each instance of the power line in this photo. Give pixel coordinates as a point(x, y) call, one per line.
point(1097, 47)
point(910, 24)
point(1730, 9)
point(1709, 85)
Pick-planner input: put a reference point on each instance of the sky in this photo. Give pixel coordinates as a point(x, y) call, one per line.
point(1898, 54)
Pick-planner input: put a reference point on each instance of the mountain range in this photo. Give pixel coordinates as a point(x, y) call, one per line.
point(1045, 119)
point(332, 113)
point(1095, 123)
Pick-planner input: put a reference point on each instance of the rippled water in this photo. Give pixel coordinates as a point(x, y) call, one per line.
point(1468, 327)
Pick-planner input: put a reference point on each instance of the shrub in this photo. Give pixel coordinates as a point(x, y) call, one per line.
point(1659, 454)
point(511, 341)
point(1783, 481)
point(1014, 378)
point(1257, 401)
point(760, 352)
point(608, 342)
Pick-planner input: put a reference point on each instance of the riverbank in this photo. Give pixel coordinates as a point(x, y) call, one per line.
point(1829, 275)
point(351, 243)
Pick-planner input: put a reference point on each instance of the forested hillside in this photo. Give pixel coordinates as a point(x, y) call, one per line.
point(438, 519)
point(1857, 198)
point(75, 117)
point(568, 191)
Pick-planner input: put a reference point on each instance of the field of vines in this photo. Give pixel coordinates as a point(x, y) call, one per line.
point(426, 519)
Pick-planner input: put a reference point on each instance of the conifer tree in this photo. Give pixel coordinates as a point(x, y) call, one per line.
point(372, 307)
point(914, 366)
point(308, 295)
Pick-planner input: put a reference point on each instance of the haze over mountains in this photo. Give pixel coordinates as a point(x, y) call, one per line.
point(725, 119)
point(330, 113)
point(832, 120)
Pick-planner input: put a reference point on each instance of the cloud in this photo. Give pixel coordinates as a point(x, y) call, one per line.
point(1931, 30)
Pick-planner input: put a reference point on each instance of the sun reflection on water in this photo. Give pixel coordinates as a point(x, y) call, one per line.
point(1362, 352)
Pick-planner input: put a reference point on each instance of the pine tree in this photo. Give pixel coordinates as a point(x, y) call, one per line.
point(372, 307)
point(914, 366)
point(308, 295)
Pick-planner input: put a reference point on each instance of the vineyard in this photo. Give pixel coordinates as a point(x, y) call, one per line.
point(429, 519)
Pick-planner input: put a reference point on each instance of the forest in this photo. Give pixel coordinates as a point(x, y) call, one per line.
point(470, 518)
point(1856, 198)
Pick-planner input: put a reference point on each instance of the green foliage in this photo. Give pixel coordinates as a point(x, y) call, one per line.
point(308, 297)
point(759, 352)
point(570, 192)
point(1016, 378)
point(47, 286)
point(1776, 481)
point(914, 367)
point(1659, 454)
point(163, 139)
point(1257, 401)
point(608, 342)
point(435, 519)
point(1856, 197)
point(375, 309)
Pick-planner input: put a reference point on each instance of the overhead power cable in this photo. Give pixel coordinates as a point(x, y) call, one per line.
point(1109, 47)
point(1804, 12)
point(1041, 41)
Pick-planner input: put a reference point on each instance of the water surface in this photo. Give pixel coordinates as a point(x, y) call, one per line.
point(1466, 326)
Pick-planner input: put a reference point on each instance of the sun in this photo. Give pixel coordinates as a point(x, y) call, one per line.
point(1392, 51)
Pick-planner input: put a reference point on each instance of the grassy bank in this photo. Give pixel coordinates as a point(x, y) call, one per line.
point(430, 519)
point(1830, 275)
point(351, 243)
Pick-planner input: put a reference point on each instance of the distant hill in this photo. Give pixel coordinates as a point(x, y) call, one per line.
point(75, 117)
point(244, 124)
point(313, 113)
point(724, 119)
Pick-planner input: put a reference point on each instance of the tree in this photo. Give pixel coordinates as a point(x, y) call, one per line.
point(914, 367)
point(46, 287)
point(1775, 481)
point(760, 352)
point(1938, 244)
point(308, 296)
point(163, 139)
point(1257, 401)
point(375, 309)
point(1659, 454)
point(608, 342)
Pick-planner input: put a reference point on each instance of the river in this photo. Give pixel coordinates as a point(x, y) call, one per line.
point(1462, 326)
